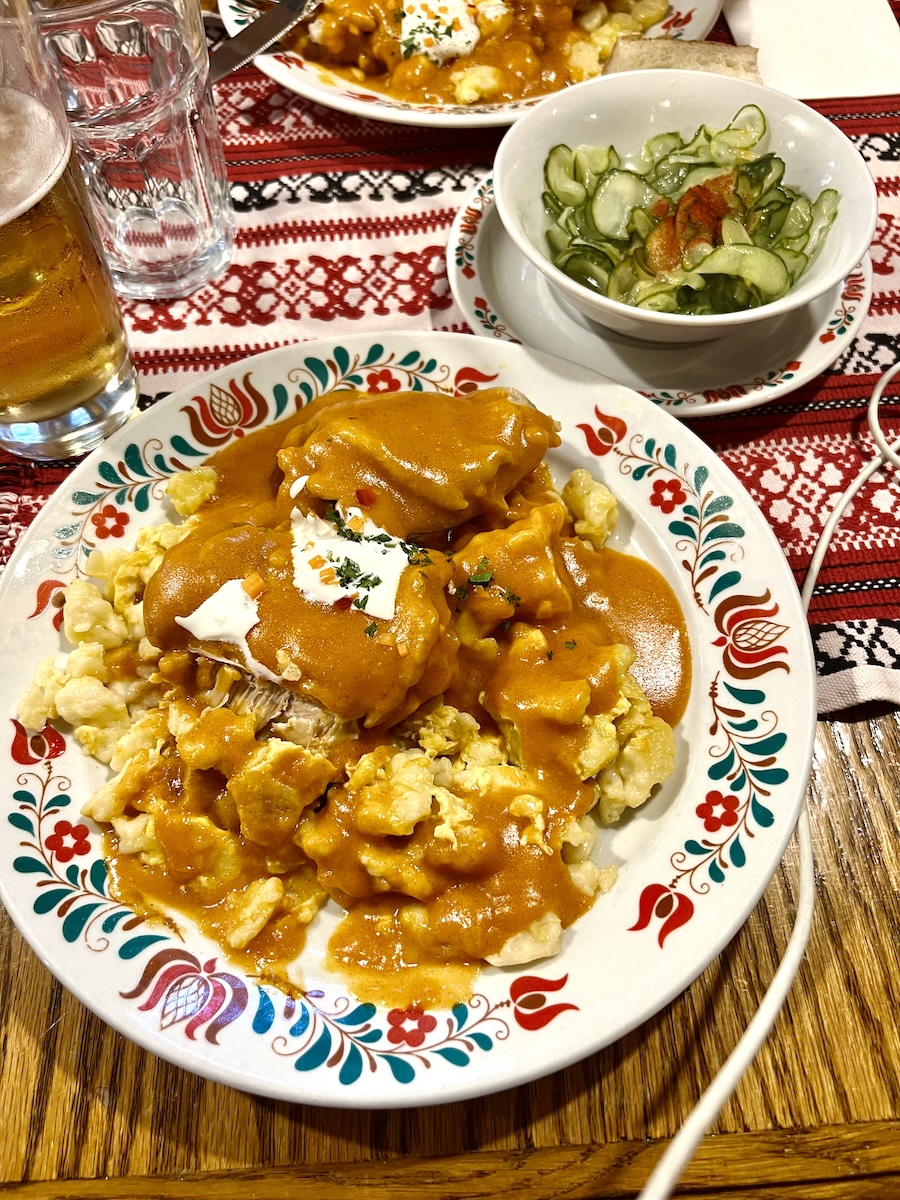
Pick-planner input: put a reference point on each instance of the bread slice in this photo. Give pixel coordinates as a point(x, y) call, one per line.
point(638, 53)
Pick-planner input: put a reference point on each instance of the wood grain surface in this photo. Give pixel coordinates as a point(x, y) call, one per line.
point(85, 1113)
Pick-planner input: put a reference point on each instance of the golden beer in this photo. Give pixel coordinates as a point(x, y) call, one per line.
point(62, 343)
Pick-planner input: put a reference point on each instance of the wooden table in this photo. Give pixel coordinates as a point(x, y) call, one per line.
point(85, 1113)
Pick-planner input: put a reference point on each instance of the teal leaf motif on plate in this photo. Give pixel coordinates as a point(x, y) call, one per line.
point(761, 815)
point(359, 1015)
point(352, 1066)
point(134, 462)
point(301, 1025)
point(76, 920)
point(453, 1055)
point(729, 531)
point(31, 866)
point(318, 1052)
point(402, 1071)
point(56, 852)
point(353, 1036)
point(135, 946)
point(745, 764)
point(700, 529)
point(265, 1012)
point(48, 900)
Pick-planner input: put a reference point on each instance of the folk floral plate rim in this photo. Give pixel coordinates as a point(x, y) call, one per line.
point(744, 371)
point(692, 863)
point(691, 22)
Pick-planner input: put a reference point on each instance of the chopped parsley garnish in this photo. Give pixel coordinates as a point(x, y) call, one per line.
point(360, 602)
point(511, 598)
point(349, 574)
point(462, 593)
point(570, 645)
point(371, 630)
point(344, 530)
point(549, 655)
point(483, 574)
point(418, 556)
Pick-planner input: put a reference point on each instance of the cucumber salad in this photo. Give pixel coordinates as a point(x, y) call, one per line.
point(699, 227)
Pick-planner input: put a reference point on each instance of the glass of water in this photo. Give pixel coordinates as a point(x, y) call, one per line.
point(134, 77)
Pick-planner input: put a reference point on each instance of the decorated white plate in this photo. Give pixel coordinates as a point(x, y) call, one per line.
point(502, 296)
point(692, 862)
point(315, 82)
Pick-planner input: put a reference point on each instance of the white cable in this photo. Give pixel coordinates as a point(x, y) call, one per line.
point(886, 451)
point(681, 1149)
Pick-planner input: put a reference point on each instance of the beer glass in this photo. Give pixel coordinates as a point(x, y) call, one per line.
point(66, 374)
point(134, 76)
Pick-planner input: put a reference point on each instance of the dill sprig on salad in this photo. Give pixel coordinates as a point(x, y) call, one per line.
point(698, 227)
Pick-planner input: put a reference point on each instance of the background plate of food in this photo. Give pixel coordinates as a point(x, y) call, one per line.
point(355, 848)
point(457, 64)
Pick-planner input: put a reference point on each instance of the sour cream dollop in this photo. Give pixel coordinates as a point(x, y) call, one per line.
point(228, 615)
point(351, 557)
point(447, 29)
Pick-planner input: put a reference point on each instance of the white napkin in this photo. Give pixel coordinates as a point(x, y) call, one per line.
point(821, 49)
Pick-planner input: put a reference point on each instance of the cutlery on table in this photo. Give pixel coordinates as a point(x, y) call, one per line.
point(258, 36)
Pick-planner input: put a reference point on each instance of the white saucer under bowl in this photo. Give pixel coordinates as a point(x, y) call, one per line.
point(502, 296)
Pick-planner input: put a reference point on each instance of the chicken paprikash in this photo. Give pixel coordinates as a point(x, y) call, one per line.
point(380, 664)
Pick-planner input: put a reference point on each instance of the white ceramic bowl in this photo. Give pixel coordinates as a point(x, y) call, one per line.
point(625, 110)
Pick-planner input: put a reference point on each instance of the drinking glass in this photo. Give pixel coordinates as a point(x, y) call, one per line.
point(134, 77)
point(66, 374)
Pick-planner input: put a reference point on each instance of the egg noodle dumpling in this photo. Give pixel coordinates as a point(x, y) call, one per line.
point(379, 659)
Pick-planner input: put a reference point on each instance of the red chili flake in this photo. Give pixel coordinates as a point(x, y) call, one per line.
point(365, 496)
point(343, 603)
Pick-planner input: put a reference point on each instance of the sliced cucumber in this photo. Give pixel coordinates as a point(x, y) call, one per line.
point(656, 149)
point(824, 211)
point(590, 163)
point(642, 223)
point(616, 195)
point(697, 176)
point(797, 221)
point(734, 233)
point(758, 268)
point(604, 218)
point(559, 176)
point(585, 269)
point(734, 144)
point(795, 261)
point(621, 281)
point(758, 177)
